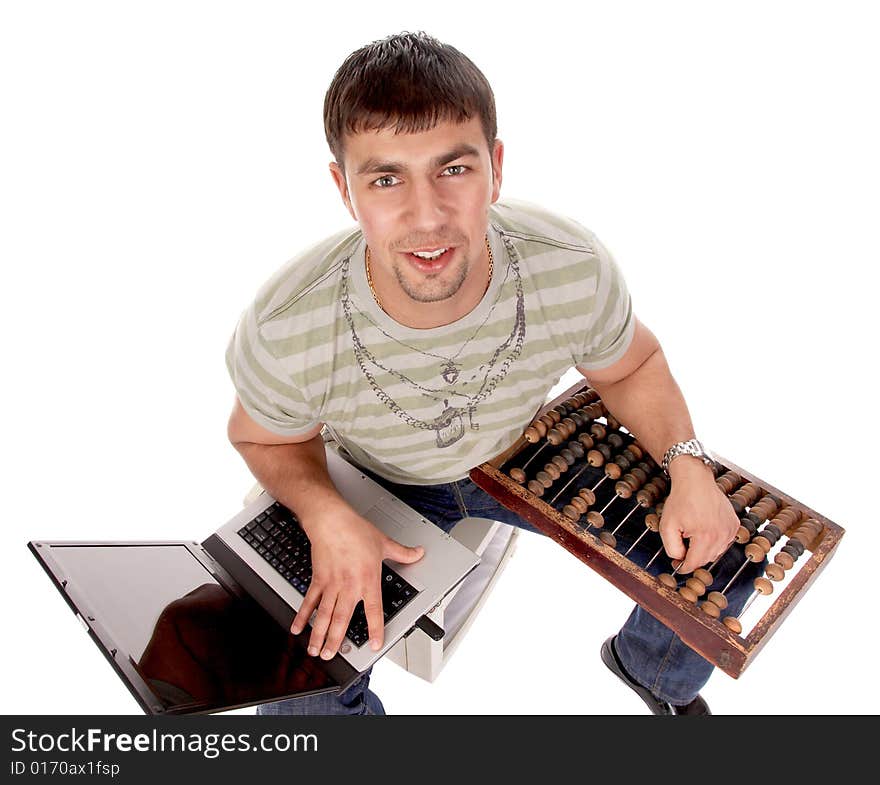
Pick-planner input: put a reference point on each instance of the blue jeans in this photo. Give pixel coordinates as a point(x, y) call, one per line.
point(651, 653)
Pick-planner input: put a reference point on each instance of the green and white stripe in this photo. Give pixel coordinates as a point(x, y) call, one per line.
point(314, 347)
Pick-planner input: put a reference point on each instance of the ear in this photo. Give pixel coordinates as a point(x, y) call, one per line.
point(497, 161)
point(341, 184)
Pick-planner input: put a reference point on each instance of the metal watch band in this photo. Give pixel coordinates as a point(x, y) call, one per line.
point(690, 447)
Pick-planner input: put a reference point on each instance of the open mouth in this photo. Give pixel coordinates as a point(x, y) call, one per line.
point(432, 261)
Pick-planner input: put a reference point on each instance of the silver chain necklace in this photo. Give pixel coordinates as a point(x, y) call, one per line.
point(449, 425)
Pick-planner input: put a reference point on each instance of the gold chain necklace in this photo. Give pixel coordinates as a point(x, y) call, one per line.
point(376, 296)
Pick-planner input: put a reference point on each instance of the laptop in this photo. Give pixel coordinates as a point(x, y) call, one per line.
point(199, 628)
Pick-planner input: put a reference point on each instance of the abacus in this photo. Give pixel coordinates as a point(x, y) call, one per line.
point(580, 477)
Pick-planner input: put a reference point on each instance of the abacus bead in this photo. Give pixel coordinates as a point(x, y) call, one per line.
point(555, 437)
point(732, 624)
point(652, 521)
point(763, 585)
point(718, 599)
point(608, 538)
point(532, 435)
point(775, 572)
point(623, 489)
point(586, 440)
point(613, 423)
point(552, 470)
point(737, 507)
point(566, 456)
point(570, 512)
point(696, 586)
point(646, 497)
point(754, 552)
point(536, 488)
point(613, 470)
point(595, 458)
point(598, 430)
point(518, 474)
point(587, 495)
point(704, 576)
point(742, 535)
point(712, 609)
point(749, 525)
point(545, 479)
point(772, 528)
point(784, 560)
point(667, 580)
point(689, 594)
point(579, 504)
point(595, 519)
point(763, 543)
point(577, 449)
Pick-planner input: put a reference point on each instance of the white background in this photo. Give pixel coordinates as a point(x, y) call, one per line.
point(160, 160)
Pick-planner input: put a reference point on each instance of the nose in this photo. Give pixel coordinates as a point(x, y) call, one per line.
point(427, 210)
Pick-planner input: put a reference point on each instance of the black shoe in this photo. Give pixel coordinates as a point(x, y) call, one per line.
point(697, 707)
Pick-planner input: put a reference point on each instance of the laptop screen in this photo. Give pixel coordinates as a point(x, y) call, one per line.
point(196, 645)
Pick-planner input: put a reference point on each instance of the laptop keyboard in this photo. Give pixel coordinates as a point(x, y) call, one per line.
point(276, 535)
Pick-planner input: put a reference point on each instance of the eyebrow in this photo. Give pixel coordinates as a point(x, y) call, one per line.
point(375, 165)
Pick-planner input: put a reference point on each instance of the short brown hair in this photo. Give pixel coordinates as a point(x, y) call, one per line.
point(409, 81)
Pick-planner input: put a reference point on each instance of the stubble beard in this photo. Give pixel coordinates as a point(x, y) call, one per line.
point(432, 288)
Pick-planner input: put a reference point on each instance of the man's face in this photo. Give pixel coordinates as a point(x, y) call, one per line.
point(422, 192)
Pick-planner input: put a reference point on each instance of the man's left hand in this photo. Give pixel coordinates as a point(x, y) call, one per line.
point(697, 510)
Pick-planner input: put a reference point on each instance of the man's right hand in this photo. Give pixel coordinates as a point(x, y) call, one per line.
point(347, 554)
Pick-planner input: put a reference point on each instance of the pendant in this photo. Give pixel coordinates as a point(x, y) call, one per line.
point(450, 372)
point(449, 427)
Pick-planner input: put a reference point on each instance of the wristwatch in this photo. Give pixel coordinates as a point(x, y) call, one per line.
point(690, 447)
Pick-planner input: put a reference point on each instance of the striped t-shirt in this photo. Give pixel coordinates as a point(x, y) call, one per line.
point(424, 406)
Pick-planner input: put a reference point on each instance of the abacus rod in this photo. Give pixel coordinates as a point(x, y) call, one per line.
point(736, 574)
point(579, 473)
point(625, 517)
point(647, 529)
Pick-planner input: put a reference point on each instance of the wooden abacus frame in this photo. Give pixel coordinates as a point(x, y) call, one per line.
point(708, 636)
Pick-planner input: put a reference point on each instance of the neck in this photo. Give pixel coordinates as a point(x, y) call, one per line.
point(392, 299)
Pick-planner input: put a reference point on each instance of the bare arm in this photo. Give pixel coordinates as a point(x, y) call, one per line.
point(293, 469)
point(347, 550)
point(642, 394)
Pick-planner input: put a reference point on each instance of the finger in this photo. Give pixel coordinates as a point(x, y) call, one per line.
point(375, 618)
point(698, 554)
point(310, 602)
point(402, 553)
point(321, 623)
point(672, 540)
point(338, 626)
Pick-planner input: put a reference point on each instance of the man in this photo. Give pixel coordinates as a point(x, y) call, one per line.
point(425, 340)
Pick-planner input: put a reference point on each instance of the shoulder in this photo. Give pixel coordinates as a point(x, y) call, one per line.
point(533, 223)
point(314, 270)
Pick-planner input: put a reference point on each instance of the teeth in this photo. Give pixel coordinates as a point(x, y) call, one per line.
point(429, 255)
